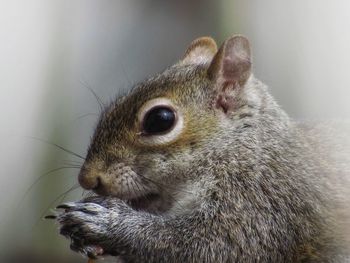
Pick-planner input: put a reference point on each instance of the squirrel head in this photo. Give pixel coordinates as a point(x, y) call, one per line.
point(150, 143)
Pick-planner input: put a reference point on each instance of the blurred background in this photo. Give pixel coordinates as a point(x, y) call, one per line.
point(56, 54)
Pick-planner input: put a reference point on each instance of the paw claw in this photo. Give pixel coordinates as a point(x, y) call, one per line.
point(50, 217)
point(85, 224)
point(65, 206)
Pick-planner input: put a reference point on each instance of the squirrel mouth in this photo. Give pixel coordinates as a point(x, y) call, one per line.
point(151, 203)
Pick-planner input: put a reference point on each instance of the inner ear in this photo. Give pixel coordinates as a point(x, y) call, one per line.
point(201, 51)
point(230, 70)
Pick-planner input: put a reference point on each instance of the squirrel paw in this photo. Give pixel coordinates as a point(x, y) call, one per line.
point(86, 223)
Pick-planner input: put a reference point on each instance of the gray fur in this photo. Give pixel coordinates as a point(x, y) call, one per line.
point(253, 186)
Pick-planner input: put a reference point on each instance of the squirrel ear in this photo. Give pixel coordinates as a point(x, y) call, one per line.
point(230, 69)
point(200, 51)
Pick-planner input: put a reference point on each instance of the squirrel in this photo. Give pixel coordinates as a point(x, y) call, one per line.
point(200, 164)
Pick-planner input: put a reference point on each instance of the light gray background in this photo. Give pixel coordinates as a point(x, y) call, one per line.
point(52, 51)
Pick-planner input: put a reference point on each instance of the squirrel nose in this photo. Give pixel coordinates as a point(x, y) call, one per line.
point(88, 180)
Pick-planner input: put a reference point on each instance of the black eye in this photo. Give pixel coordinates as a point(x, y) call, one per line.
point(160, 119)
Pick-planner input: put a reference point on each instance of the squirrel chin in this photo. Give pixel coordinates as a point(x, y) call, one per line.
point(151, 202)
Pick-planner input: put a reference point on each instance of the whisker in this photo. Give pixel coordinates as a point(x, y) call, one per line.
point(177, 202)
point(162, 188)
point(172, 198)
point(144, 195)
point(58, 146)
point(64, 194)
point(132, 183)
point(37, 180)
point(98, 99)
point(74, 162)
point(126, 75)
point(85, 115)
point(160, 184)
point(138, 187)
point(144, 190)
point(74, 187)
point(73, 166)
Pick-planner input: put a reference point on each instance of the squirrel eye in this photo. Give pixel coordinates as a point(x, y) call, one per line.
point(158, 120)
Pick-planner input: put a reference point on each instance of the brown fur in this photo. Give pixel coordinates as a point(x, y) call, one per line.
point(240, 183)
